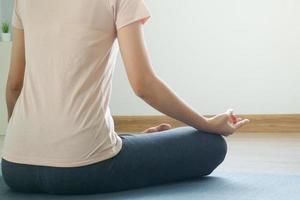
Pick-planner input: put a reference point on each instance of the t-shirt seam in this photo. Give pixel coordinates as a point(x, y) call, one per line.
point(136, 19)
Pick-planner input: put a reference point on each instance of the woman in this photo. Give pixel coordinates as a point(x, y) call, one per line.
point(60, 137)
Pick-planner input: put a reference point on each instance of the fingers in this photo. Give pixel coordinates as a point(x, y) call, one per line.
point(232, 128)
point(236, 122)
point(241, 123)
point(229, 111)
point(232, 117)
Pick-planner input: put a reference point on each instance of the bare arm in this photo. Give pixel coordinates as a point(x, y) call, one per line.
point(146, 84)
point(16, 71)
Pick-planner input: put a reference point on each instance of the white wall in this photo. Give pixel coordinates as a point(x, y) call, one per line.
point(6, 7)
point(218, 54)
point(1, 6)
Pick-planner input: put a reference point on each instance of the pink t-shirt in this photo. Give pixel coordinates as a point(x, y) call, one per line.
point(62, 116)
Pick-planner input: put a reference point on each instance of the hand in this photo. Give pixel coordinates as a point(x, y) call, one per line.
point(225, 123)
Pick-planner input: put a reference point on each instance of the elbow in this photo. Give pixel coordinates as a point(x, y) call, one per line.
point(14, 86)
point(143, 88)
point(141, 93)
point(140, 90)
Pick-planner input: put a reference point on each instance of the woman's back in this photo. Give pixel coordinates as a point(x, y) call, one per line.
point(61, 117)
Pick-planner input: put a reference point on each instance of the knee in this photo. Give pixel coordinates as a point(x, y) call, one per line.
point(213, 150)
point(214, 145)
point(221, 148)
point(208, 150)
point(218, 151)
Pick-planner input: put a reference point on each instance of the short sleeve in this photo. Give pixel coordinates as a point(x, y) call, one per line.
point(129, 11)
point(16, 19)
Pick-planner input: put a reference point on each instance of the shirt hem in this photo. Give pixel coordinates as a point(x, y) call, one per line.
point(107, 154)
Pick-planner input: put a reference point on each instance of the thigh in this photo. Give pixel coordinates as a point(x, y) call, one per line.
point(161, 157)
point(20, 177)
point(145, 159)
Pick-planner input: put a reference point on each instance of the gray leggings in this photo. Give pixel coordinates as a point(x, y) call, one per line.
point(145, 159)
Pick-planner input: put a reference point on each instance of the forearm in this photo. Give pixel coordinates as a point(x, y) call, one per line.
point(158, 95)
point(11, 99)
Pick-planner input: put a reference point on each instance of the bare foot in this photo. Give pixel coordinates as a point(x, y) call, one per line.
point(160, 127)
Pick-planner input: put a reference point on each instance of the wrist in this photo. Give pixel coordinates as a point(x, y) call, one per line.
point(203, 123)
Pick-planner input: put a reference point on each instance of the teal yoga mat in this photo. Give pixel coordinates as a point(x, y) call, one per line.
point(219, 185)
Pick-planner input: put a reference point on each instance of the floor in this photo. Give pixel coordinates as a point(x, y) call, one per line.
point(259, 152)
point(263, 152)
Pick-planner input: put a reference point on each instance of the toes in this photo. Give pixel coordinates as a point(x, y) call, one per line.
point(163, 127)
point(150, 130)
point(160, 127)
